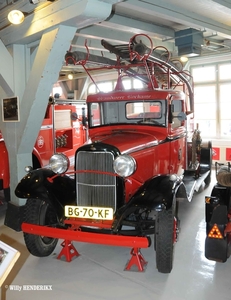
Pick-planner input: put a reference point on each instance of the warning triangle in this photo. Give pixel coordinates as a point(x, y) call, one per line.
point(215, 232)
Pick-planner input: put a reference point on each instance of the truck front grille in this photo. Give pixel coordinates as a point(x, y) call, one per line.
point(93, 188)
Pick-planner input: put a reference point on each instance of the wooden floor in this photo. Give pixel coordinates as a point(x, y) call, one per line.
point(98, 273)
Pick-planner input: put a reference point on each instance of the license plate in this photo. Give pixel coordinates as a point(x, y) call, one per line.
point(89, 212)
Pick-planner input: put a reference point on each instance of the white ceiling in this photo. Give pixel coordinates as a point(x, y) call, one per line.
point(159, 19)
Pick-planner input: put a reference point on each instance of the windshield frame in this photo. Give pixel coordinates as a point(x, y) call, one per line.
point(105, 113)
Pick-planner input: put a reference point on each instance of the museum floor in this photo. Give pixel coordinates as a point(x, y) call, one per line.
point(98, 273)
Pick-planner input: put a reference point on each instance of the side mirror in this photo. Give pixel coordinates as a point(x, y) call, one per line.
point(84, 117)
point(181, 116)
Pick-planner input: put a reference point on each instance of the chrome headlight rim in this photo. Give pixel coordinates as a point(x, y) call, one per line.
point(59, 163)
point(124, 165)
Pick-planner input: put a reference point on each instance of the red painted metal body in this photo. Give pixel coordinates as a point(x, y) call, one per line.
point(4, 165)
point(64, 135)
point(52, 131)
point(87, 237)
point(158, 150)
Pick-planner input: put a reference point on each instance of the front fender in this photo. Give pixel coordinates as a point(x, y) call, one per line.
point(156, 194)
point(58, 192)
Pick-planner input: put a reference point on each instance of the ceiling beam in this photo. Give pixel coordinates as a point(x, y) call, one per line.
point(75, 13)
point(136, 26)
point(175, 13)
point(225, 3)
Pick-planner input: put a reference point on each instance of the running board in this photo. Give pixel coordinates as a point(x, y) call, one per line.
point(192, 184)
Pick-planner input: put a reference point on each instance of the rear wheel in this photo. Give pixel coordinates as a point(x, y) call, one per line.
point(165, 237)
point(40, 213)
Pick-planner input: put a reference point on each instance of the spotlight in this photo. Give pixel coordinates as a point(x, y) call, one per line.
point(184, 59)
point(16, 17)
point(70, 76)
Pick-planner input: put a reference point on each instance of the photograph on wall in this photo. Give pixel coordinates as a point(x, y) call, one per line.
point(10, 109)
point(3, 254)
point(8, 257)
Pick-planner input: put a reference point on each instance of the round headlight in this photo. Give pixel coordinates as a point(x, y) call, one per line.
point(124, 165)
point(59, 163)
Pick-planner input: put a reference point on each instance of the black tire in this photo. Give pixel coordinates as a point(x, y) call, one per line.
point(40, 213)
point(164, 239)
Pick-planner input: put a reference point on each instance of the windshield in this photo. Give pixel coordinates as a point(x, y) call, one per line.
point(120, 112)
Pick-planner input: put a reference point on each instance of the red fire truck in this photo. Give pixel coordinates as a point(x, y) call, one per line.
point(142, 158)
point(4, 170)
point(62, 131)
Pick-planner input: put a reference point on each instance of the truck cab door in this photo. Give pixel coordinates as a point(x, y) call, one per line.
point(177, 136)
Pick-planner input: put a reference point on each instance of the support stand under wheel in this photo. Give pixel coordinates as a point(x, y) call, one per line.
point(68, 251)
point(137, 259)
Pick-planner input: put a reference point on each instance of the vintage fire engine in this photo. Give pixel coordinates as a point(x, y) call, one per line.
point(143, 156)
point(62, 131)
point(218, 216)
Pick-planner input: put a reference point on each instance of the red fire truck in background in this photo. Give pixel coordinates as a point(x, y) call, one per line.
point(62, 131)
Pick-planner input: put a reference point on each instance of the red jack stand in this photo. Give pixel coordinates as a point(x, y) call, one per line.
point(136, 259)
point(68, 250)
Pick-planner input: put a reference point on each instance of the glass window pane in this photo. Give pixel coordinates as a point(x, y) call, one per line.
point(225, 128)
point(105, 86)
point(94, 114)
point(225, 90)
point(92, 89)
point(225, 109)
point(127, 84)
point(207, 128)
point(202, 112)
point(57, 90)
point(204, 73)
point(205, 94)
point(205, 109)
point(138, 84)
point(225, 71)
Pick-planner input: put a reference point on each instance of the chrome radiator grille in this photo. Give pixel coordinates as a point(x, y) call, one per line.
point(95, 189)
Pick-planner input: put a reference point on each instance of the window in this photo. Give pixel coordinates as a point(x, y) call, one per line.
point(225, 109)
point(212, 101)
point(177, 110)
point(57, 90)
point(225, 71)
point(203, 73)
point(107, 86)
point(95, 114)
point(205, 109)
point(123, 112)
point(143, 110)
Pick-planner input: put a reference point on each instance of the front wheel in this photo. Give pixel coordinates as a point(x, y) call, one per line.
point(165, 237)
point(39, 212)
